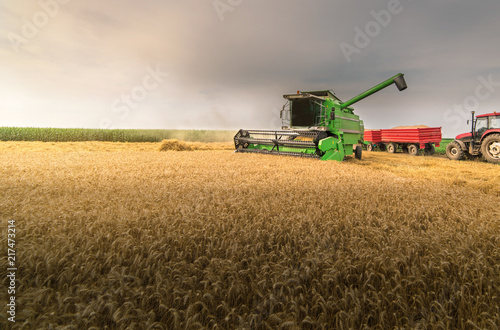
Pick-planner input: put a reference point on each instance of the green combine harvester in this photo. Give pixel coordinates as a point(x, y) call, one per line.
point(315, 124)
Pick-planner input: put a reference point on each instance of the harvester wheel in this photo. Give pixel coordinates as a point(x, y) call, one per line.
point(429, 150)
point(491, 148)
point(391, 148)
point(454, 151)
point(413, 149)
point(358, 152)
point(369, 147)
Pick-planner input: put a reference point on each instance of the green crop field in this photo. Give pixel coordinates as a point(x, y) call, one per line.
point(111, 135)
point(442, 147)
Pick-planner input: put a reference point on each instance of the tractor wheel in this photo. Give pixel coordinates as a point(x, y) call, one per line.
point(413, 149)
point(358, 152)
point(391, 148)
point(382, 147)
point(491, 148)
point(404, 148)
point(429, 149)
point(369, 147)
point(454, 151)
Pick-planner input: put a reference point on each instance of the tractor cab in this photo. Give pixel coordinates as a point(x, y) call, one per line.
point(484, 138)
point(484, 124)
point(480, 127)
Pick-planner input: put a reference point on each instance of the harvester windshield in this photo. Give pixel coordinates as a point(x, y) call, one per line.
point(306, 110)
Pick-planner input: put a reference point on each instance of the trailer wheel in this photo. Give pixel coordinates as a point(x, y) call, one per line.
point(358, 152)
point(413, 149)
point(491, 148)
point(429, 149)
point(391, 148)
point(369, 147)
point(454, 151)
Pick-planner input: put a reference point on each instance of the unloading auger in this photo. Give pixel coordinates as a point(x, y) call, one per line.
point(314, 124)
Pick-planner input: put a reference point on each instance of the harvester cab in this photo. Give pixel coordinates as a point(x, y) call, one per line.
point(315, 124)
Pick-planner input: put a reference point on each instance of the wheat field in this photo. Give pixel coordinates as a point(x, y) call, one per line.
point(117, 235)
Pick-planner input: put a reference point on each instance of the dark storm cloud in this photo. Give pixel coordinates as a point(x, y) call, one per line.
point(231, 73)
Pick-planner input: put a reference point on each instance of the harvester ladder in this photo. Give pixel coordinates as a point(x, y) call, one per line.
point(321, 117)
point(285, 114)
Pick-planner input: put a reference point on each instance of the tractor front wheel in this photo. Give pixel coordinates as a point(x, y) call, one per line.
point(491, 148)
point(369, 147)
point(358, 151)
point(413, 149)
point(454, 151)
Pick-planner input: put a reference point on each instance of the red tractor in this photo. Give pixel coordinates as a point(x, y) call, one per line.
point(484, 138)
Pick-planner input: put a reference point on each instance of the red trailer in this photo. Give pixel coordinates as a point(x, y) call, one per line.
point(407, 138)
point(373, 135)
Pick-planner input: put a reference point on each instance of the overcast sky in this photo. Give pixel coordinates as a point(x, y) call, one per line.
point(225, 64)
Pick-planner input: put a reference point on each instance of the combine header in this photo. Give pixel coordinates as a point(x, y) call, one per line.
point(314, 124)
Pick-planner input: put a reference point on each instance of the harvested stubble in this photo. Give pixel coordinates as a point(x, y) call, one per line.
point(217, 239)
point(80, 147)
